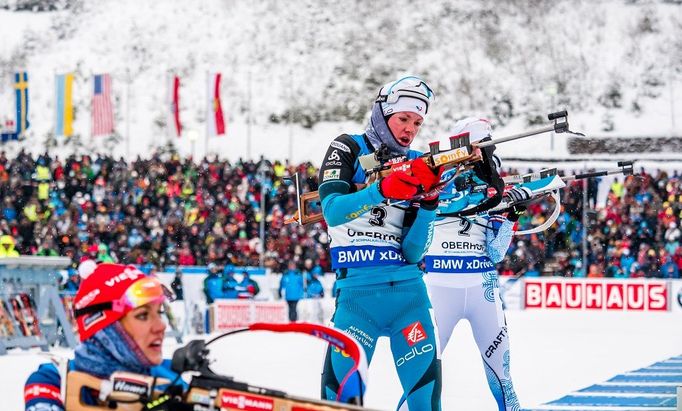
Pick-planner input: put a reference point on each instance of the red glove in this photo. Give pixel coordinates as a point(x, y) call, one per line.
point(399, 186)
point(428, 177)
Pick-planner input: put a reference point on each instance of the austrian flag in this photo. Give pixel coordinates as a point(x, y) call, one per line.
point(174, 124)
point(214, 111)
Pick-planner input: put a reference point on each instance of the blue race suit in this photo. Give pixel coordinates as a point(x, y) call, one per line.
point(375, 249)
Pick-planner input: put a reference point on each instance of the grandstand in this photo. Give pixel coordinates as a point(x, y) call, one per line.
point(170, 211)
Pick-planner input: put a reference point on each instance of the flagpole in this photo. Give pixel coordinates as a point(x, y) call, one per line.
point(56, 114)
point(128, 112)
point(289, 118)
point(208, 110)
point(168, 106)
point(92, 111)
point(248, 120)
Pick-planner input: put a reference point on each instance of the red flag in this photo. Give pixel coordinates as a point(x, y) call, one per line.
point(174, 126)
point(214, 116)
point(102, 110)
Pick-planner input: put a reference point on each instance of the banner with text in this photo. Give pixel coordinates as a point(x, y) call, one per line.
point(597, 294)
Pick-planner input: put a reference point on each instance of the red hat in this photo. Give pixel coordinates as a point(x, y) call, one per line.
point(109, 293)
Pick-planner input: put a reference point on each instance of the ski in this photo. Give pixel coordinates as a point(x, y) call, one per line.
point(6, 325)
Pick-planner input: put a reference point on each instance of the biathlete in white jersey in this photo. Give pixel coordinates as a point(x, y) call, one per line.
point(460, 262)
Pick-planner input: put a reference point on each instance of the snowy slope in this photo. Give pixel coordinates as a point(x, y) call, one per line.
point(612, 62)
point(553, 353)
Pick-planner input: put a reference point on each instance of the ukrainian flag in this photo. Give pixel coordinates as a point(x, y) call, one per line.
point(21, 87)
point(64, 117)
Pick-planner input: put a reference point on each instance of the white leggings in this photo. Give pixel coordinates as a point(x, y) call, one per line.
point(476, 298)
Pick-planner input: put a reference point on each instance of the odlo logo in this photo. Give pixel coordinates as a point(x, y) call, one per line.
point(414, 333)
point(334, 155)
point(413, 353)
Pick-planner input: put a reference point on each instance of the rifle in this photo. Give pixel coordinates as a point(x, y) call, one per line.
point(207, 390)
point(547, 183)
point(461, 155)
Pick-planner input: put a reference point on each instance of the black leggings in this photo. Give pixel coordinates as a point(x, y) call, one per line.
point(293, 313)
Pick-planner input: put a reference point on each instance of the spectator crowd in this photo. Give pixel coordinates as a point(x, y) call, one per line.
point(635, 233)
point(156, 211)
point(164, 210)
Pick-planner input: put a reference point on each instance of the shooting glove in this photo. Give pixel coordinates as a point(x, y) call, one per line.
point(398, 186)
point(515, 212)
point(518, 194)
point(427, 176)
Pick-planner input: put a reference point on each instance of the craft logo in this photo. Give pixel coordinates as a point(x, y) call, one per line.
point(232, 400)
point(414, 333)
point(331, 174)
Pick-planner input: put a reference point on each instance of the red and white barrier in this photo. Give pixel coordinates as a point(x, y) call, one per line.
point(227, 315)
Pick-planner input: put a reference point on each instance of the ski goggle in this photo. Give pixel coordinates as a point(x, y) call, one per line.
point(143, 291)
point(406, 87)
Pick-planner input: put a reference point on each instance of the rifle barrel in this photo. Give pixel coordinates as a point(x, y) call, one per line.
point(624, 171)
point(515, 136)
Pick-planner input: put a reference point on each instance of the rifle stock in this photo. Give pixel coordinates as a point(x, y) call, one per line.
point(309, 203)
point(76, 381)
point(225, 398)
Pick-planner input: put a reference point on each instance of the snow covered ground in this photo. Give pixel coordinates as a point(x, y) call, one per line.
point(553, 353)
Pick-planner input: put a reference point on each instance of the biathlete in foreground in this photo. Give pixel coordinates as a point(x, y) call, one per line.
point(119, 313)
point(375, 249)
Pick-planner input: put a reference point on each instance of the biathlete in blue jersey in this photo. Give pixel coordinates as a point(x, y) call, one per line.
point(375, 248)
point(120, 325)
point(462, 278)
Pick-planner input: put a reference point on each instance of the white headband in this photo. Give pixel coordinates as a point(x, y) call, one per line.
point(410, 104)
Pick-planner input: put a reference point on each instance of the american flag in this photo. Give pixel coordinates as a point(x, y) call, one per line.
point(102, 110)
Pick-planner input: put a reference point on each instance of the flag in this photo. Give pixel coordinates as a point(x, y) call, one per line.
point(21, 87)
point(64, 115)
point(8, 135)
point(102, 110)
point(174, 125)
point(214, 113)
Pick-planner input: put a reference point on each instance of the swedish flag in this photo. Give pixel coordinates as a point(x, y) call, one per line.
point(21, 88)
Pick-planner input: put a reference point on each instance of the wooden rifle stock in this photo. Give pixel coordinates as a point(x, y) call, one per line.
point(227, 399)
point(461, 153)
